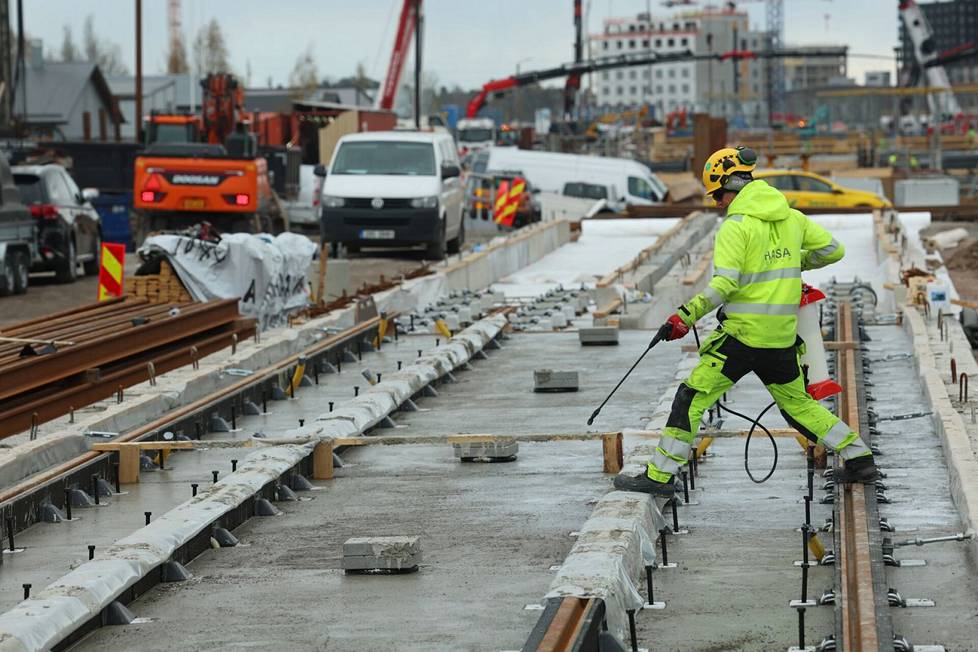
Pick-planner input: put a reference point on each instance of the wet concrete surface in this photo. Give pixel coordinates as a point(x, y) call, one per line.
point(490, 532)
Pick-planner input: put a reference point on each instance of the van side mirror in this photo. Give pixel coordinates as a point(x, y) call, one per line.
point(89, 194)
point(319, 170)
point(449, 170)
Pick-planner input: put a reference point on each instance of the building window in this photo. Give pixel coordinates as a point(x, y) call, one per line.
point(604, 75)
point(658, 73)
point(684, 72)
point(631, 44)
point(645, 43)
point(672, 89)
point(604, 46)
point(658, 89)
point(671, 42)
point(632, 90)
point(618, 43)
point(619, 75)
point(684, 41)
point(620, 90)
point(686, 88)
point(646, 90)
point(672, 73)
point(645, 73)
point(631, 28)
point(605, 90)
point(631, 74)
point(658, 42)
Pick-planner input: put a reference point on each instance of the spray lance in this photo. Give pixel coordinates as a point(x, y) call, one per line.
point(818, 383)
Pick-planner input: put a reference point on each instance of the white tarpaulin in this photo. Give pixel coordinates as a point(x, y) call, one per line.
point(267, 274)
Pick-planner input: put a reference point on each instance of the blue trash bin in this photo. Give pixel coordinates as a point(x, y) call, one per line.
point(113, 209)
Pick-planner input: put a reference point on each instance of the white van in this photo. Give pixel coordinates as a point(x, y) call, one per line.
point(393, 189)
point(475, 134)
point(627, 182)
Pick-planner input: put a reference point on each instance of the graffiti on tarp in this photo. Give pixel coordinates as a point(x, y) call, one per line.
point(284, 286)
point(212, 251)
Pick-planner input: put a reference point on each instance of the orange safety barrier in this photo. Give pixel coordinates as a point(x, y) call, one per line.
point(111, 262)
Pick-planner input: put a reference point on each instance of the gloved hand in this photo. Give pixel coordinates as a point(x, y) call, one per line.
point(677, 328)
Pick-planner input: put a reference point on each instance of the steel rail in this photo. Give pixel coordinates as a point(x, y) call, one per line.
point(567, 624)
point(34, 372)
point(864, 620)
point(259, 376)
point(40, 406)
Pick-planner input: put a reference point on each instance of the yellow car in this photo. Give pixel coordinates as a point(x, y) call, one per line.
point(807, 190)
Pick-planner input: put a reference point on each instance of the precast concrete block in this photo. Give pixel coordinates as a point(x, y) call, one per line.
point(381, 553)
point(598, 336)
point(488, 450)
point(548, 380)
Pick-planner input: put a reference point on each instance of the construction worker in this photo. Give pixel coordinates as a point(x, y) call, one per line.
point(761, 249)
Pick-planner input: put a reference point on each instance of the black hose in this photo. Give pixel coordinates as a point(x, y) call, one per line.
point(755, 423)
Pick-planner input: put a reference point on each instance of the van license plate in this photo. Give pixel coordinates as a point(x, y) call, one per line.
point(372, 234)
point(194, 202)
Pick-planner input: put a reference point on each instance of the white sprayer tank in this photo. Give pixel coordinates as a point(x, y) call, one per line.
point(820, 385)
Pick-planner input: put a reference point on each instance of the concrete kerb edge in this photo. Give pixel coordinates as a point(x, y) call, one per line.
point(48, 617)
point(962, 465)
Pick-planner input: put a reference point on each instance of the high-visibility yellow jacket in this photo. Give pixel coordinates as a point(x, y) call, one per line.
point(761, 249)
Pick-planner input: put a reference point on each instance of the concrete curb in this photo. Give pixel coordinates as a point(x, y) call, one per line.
point(44, 620)
point(609, 558)
point(962, 465)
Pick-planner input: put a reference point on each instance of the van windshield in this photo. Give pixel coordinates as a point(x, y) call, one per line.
point(474, 135)
point(385, 157)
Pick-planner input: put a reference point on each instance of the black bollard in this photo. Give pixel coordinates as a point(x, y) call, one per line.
point(215, 473)
point(378, 378)
point(801, 629)
point(685, 487)
point(808, 510)
point(234, 465)
point(193, 488)
point(197, 430)
point(692, 471)
point(95, 488)
point(148, 516)
point(339, 363)
point(631, 629)
point(811, 472)
point(291, 389)
point(648, 584)
point(91, 553)
point(315, 373)
point(437, 341)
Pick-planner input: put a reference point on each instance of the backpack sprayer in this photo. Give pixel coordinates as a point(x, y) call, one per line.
point(812, 362)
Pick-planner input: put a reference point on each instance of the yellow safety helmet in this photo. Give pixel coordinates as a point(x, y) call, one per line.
point(723, 166)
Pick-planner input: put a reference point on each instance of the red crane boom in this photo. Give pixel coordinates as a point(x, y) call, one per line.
point(402, 41)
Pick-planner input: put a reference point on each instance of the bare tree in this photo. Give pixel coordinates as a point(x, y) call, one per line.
point(100, 51)
point(211, 50)
point(305, 74)
point(69, 51)
point(176, 57)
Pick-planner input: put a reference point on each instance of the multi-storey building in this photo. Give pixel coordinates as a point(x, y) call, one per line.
point(735, 89)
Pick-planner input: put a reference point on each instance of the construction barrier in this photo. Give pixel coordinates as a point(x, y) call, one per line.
point(111, 262)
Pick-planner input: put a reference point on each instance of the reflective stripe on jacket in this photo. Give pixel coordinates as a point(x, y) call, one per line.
point(761, 249)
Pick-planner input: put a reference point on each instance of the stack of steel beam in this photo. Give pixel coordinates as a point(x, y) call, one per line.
point(59, 363)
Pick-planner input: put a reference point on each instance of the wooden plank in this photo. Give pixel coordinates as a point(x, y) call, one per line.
point(613, 454)
point(838, 345)
point(607, 309)
point(322, 460)
point(701, 268)
point(129, 466)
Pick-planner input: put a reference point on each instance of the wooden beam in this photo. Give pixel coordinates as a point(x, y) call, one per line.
point(693, 277)
point(322, 460)
point(614, 457)
point(128, 465)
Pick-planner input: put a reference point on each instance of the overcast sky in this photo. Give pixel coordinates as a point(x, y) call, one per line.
point(467, 42)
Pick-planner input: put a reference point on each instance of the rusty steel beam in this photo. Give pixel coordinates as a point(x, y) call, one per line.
point(42, 407)
point(30, 373)
point(856, 592)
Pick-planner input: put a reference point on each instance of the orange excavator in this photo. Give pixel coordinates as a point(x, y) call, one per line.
point(204, 168)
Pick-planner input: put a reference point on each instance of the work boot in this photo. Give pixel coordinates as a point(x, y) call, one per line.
point(858, 470)
point(644, 484)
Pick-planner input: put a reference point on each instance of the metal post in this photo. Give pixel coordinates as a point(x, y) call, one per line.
point(234, 418)
point(685, 487)
point(95, 488)
point(118, 482)
point(139, 71)
point(148, 515)
point(417, 64)
point(648, 584)
point(10, 533)
point(811, 472)
point(631, 629)
point(804, 564)
point(91, 553)
point(675, 514)
point(665, 548)
point(801, 629)
point(68, 503)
